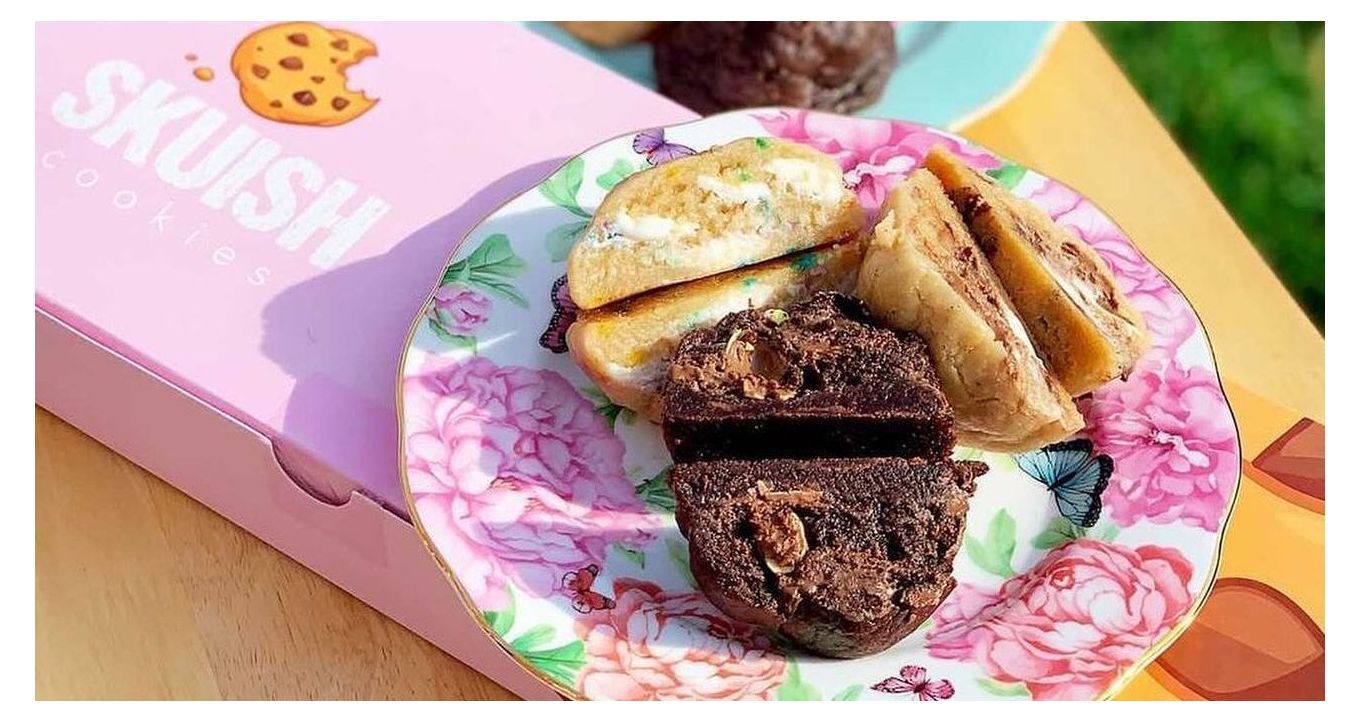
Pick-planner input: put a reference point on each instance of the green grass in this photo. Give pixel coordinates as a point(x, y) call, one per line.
point(1245, 102)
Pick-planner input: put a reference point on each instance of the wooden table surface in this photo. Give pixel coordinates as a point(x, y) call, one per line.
point(144, 593)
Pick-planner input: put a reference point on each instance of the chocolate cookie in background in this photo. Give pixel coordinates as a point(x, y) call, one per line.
point(716, 66)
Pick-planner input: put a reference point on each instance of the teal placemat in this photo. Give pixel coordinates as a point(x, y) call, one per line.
point(946, 70)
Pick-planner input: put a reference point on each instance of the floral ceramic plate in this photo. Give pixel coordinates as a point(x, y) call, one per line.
point(549, 509)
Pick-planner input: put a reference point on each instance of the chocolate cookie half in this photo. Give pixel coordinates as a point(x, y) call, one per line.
point(816, 380)
point(845, 557)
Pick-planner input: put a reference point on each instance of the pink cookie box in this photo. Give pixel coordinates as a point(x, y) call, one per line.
point(223, 299)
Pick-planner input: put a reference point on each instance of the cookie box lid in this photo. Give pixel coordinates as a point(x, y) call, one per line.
point(265, 246)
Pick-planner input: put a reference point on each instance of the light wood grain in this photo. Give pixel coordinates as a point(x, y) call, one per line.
point(144, 593)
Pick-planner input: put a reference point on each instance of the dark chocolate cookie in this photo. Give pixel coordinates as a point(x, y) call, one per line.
point(816, 380)
point(845, 557)
point(716, 66)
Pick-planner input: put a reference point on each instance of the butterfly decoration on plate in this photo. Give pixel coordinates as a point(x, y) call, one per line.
point(653, 144)
point(1075, 474)
point(554, 338)
point(583, 598)
point(912, 680)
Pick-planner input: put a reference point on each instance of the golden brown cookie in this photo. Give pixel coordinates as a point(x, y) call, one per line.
point(295, 73)
point(923, 272)
point(1083, 326)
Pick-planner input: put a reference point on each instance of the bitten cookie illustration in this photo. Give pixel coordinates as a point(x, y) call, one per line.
point(295, 73)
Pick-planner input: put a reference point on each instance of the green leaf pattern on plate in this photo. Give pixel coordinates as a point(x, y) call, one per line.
point(501, 621)
point(679, 555)
point(612, 412)
point(794, 689)
point(562, 662)
point(621, 169)
point(561, 187)
point(636, 556)
point(1002, 689)
point(656, 493)
point(1008, 175)
point(456, 340)
point(489, 268)
point(1060, 531)
point(849, 694)
point(562, 238)
point(993, 553)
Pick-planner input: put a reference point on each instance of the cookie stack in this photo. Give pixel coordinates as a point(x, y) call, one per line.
point(813, 478)
point(756, 222)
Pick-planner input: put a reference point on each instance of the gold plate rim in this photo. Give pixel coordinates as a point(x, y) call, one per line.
point(1123, 680)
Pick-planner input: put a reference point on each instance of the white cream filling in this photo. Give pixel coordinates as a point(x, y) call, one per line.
point(648, 373)
point(759, 294)
point(752, 192)
point(732, 248)
point(1017, 326)
point(651, 228)
point(809, 179)
point(645, 375)
point(1084, 294)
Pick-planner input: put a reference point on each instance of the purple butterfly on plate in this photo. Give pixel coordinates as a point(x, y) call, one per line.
point(652, 143)
point(554, 338)
point(913, 681)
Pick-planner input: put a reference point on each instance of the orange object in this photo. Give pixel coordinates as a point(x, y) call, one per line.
point(1260, 633)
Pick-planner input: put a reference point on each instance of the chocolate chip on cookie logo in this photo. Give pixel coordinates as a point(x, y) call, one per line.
point(295, 73)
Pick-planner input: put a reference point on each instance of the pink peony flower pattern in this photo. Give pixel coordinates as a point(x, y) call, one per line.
point(663, 645)
point(875, 154)
point(1169, 318)
point(1174, 446)
point(458, 310)
point(515, 477)
point(1071, 625)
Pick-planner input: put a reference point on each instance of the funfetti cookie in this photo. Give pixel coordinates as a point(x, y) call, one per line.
point(295, 73)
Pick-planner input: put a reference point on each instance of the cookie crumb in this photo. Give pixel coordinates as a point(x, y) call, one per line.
point(190, 57)
point(204, 73)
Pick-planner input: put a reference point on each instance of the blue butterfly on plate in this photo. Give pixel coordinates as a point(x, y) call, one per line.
point(1075, 474)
